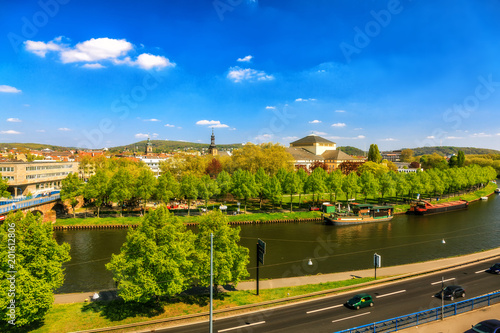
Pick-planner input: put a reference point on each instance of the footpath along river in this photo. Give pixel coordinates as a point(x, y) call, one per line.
point(405, 239)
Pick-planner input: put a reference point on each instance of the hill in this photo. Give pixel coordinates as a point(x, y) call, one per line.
point(448, 150)
point(353, 151)
point(32, 146)
point(164, 146)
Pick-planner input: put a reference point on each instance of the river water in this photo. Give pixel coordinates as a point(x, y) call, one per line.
point(295, 249)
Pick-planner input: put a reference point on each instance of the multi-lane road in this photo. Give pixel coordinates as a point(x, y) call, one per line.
point(328, 314)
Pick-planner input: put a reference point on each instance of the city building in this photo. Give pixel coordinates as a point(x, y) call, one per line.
point(393, 156)
point(36, 177)
point(212, 149)
point(149, 148)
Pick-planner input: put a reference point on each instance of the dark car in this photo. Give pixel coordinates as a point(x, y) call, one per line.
point(360, 301)
point(487, 326)
point(452, 292)
point(495, 269)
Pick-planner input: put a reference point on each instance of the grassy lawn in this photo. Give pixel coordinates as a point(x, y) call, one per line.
point(80, 316)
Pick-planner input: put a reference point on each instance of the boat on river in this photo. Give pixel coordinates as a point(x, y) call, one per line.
point(497, 190)
point(423, 207)
point(360, 213)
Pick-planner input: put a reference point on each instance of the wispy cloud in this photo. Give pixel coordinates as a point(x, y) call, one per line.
point(141, 136)
point(14, 120)
point(96, 50)
point(10, 132)
point(64, 129)
point(454, 137)
point(340, 111)
point(263, 138)
point(339, 125)
point(290, 138)
point(270, 107)
point(305, 99)
point(40, 131)
point(211, 123)
point(359, 137)
point(318, 133)
point(248, 58)
point(9, 89)
point(315, 122)
point(237, 74)
point(169, 125)
point(388, 139)
point(153, 119)
point(431, 137)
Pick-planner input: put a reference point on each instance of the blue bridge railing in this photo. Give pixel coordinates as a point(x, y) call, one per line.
point(27, 203)
point(422, 317)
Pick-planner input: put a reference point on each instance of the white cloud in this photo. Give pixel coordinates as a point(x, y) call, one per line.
point(388, 139)
point(358, 128)
point(359, 137)
point(152, 119)
point(318, 133)
point(338, 125)
point(305, 99)
point(40, 131)
point(340, 111)
point(431, 137)
point(211, 123)
point(155, 135)
point(93, 66)
point(64, 129)
point(481, 135)
point(263, 137)
point(141, 136)
point(149, 61)
point(41, 48)
point(237, 74)
point(14, 120)
point(169, 125)
point(290, 138)
point(95, 50)
point(245, 59)
point(454, 137)
point(10, 132)
point(9, 89)
point(26, 105)
point(315, 122)
point(270, 107)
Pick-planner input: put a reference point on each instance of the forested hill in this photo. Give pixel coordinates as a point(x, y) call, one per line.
point(168, 146)
point(353, 151)
point(32, 146)
point(448, 150)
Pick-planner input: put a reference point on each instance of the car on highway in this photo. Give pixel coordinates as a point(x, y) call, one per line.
point(451, 292)
point(495, 269)
point(487, 326)
point(360, 301)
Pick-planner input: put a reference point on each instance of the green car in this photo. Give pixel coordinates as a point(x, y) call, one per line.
point(360, 301)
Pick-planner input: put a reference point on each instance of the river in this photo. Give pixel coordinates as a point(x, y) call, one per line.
point(292, 247)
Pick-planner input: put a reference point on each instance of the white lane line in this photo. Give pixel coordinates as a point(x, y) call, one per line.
point(235, 328)
point(362, 314)
point(481, 271)
point(393, 293)
point(433, 283)
point(328, 308)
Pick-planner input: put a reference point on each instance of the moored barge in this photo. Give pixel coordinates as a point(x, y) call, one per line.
point(361, 213)
point(422, 207)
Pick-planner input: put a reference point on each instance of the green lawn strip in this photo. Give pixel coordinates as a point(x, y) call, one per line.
point(81, 316)
point(98, 221)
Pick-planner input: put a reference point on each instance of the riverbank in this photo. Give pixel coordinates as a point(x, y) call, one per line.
point(81, 315)
point(250, 217)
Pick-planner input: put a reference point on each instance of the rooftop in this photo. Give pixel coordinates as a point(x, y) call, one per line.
point(310, 139)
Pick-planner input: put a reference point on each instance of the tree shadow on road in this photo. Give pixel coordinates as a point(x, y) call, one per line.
point(118, 309)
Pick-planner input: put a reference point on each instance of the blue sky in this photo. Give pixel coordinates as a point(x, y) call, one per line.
point(396, 73)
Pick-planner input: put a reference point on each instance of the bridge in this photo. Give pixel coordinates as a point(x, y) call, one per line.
point(48, 206)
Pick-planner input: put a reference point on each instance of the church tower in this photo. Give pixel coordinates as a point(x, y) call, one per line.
point(212, 150)
point(149, 147)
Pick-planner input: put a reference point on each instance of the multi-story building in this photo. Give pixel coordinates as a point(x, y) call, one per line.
point(35, 177)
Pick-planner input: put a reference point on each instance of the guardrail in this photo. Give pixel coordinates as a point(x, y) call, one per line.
point(422, 317)
point(28, 203)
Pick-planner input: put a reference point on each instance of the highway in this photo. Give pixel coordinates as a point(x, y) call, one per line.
point(328, 314)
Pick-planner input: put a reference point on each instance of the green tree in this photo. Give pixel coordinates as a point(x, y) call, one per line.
point(374, 154)
point(406, 155)
point(453, 162)
point(207, 188)
point(37, 266)
point(156, 258)
point(4, 184)
point(302, 174)
point(292, 185)
point(387, 183)
point(402, 185)
point(189, 189)
point(350, 185)
point(460, 159)
point(230, 260)
point(224, 183)
point(97, 189)
point(121, 187)
point(369, 184)
point(315, 183)
point(72, 188)
point(273, 191)
point(261, 180)
point(167, 187)
point(334, 183)
point(145, 185)
point(244, 186)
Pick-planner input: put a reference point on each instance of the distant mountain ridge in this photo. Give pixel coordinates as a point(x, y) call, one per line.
point(448, 150)
point(168, 145)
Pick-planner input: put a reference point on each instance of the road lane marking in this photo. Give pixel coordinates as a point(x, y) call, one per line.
point(361, 314)
point(393, 293)
point(481, 271)
point(242, 326)
point(433, 283)
point(328, 308)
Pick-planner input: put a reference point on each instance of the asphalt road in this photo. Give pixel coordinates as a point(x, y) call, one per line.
point(328, 314)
